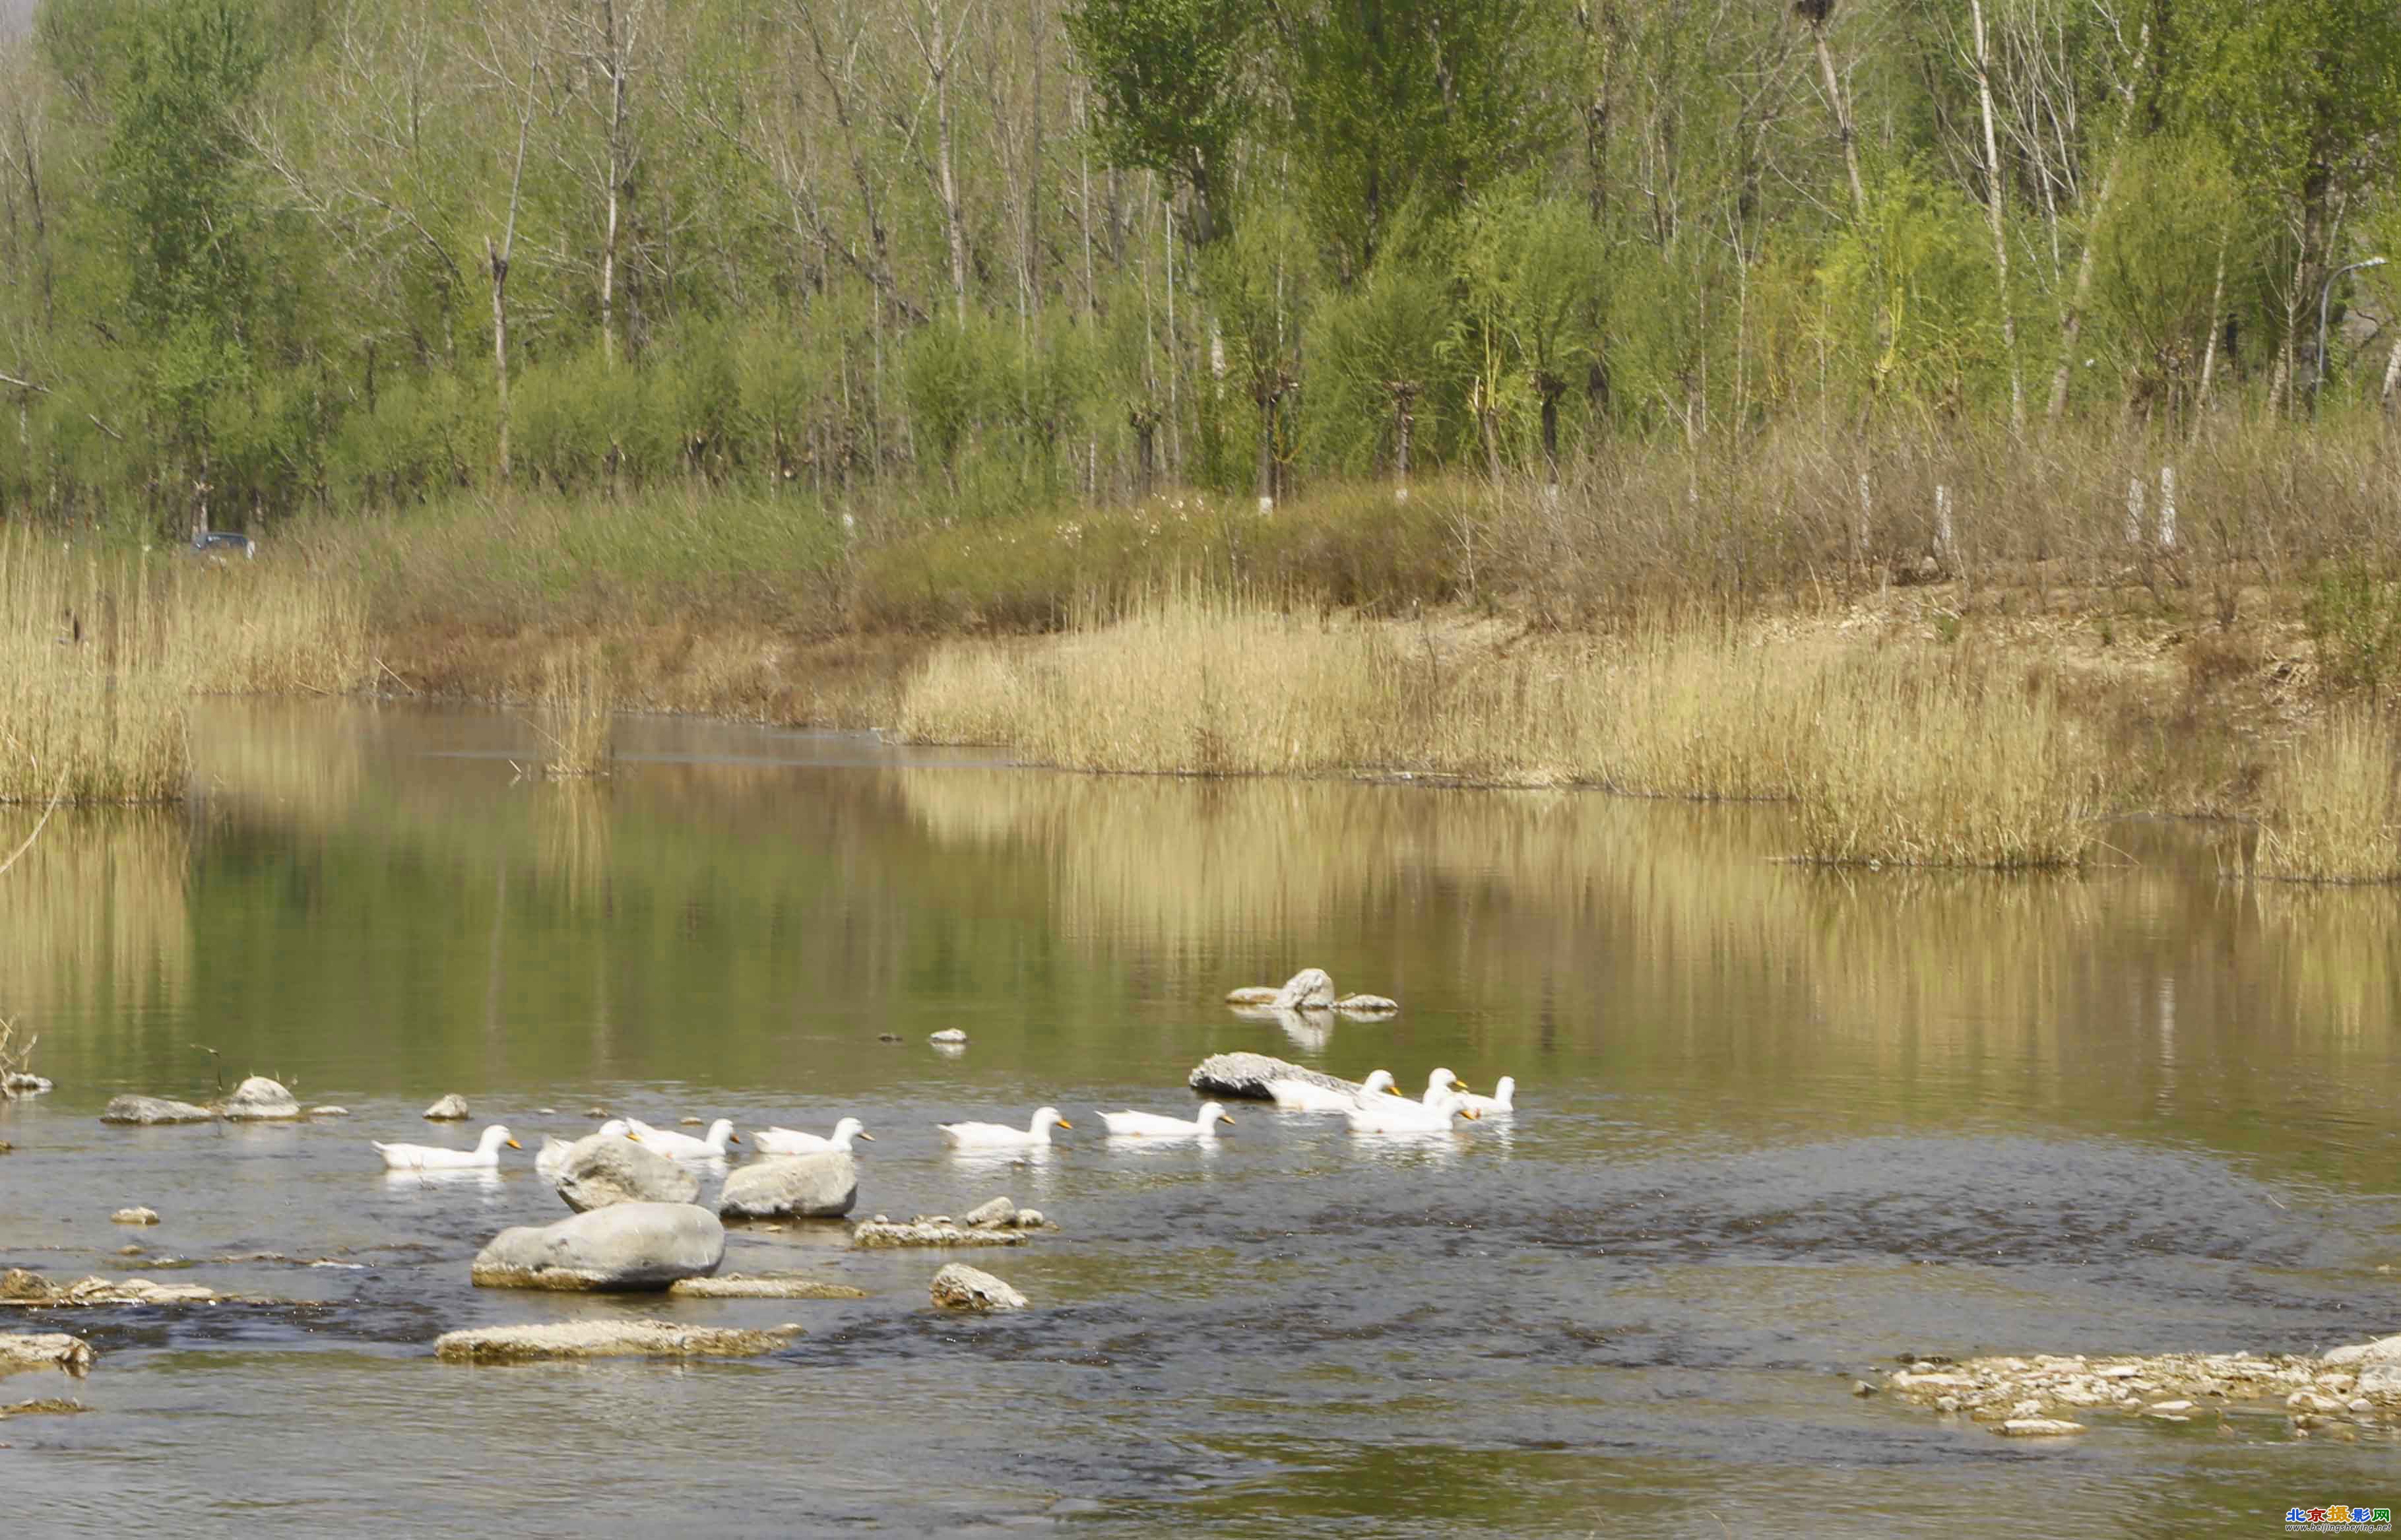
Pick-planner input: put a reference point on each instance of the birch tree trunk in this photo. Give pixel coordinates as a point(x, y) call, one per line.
point(1993, 213)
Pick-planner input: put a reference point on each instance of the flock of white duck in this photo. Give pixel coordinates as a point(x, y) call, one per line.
point(1372, 1107)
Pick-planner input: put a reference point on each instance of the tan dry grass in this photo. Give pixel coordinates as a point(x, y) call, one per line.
point(1905, 756)
point(2335, 816)
point(83, 717)
point(578, 701)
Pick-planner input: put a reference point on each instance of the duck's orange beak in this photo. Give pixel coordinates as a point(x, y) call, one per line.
point(514, 1144)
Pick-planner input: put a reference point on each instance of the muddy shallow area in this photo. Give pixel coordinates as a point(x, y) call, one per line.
point(1779, 1131)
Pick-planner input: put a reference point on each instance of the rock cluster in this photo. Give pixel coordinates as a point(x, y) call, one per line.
point(604, 1340)
point(32, 1290)
point(625, 1248)
point(2043, 1394)
point(997, 1223)
point(959, 1286)
point(1310, 989)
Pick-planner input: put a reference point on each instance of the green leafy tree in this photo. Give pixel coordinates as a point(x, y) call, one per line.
point(1170, 79)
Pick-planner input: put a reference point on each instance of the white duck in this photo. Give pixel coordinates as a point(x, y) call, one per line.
point(485, 1156)
point(1309, 1096)
point(1441, 1083)
point(1400, 1114)
point(1503, 1098)
point(791, 1141)
point(1150, 1125)
point(678, 1145)
point(1001, 1137)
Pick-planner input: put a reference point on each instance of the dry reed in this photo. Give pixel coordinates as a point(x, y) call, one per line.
point(577, 701)
point(1912, 756)
point(2335, 816)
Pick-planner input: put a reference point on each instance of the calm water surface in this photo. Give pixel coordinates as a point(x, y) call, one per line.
point(1777, 1127)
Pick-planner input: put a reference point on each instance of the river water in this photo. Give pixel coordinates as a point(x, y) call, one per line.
point(1777, 1127)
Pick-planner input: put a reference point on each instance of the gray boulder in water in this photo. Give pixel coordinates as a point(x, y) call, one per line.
point(822, 1186)
point(449, 1109)
point(154, 1109)
point(959, 1286)
point(602, 1169)
point(1247, 1074)
point(259, 1099)
point(1308, 990)
point(624, 1247)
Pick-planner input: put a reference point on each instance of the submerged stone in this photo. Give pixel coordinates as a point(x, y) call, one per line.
point(738, 1286)
point(1255, 994)
point(606, 1340)
point(154, 1109)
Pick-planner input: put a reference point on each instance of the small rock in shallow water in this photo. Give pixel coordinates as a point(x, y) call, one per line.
point(692, 1122)
point(259, 1099)
point(1030, 1219)
point(959, 1286)
point(1000, 1211)
point(128, 1251)
point(2037, 1427)
point(1860, 1387)
point(154, 1109)
point(604, 1340)
point(888, 1038)
point(449, 1109)
point(134, 1216)
point(948, 1035)
point(43, 1350)
point(7, 1148)
point(596, 1111)
point(48, 1406)
point(736, 1286)
point(329, 1112)
point(1255, 994)
point(23, 1084)
point(1367, 1005)
point(1946, 1403)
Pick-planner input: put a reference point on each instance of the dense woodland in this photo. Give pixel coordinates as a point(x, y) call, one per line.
point(262, 256)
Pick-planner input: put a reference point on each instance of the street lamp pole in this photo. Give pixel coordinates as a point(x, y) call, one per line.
point(2326, 297)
